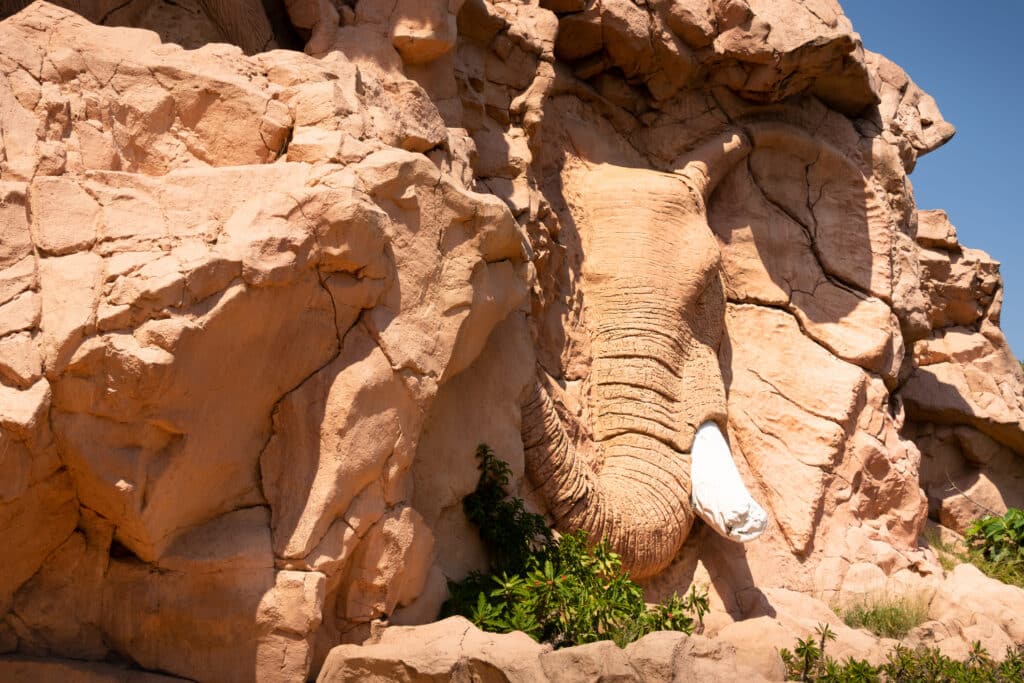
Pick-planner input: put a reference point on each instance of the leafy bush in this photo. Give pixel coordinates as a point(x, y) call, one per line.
point(510, 533)
point(809, 662)
point(886, 617)
point(998, 539)
point(564, 591)
point(995, 545)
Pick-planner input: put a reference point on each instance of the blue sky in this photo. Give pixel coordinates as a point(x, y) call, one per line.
point(968, 56)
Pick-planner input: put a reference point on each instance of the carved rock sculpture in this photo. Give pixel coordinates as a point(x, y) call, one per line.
point(655, 303)
point(257, 312)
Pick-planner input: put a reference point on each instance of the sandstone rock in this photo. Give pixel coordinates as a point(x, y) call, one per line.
point(970, 502)
point(64, 216)
point(20, 313)
point(935, 230)
point(437, 653)
point(52, 670)
point(601, 661)
point(257, 312)
point(215, 127)
point(793, 411)
point(980, 393)
point(959, 285)
point(21, 363)
point(757, 643)
point(750, 32)
point(390, 568)
point(37, 521)
point(967, 592)
point(38, 504)
point(453, 648)
point(423, 31)
point(693, 20)
point(18, 278)
point(652, 657)
point(142, 270)
point(17, 237)
point(58, 610)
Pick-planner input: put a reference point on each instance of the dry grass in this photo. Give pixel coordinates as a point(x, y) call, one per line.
point(888, 617)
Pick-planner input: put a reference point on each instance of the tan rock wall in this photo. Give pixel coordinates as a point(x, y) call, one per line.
point(256, 313)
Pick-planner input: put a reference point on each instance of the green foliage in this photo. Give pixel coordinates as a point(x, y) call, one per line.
point(510, 533)
point(564, 591)
point(998, 539)
point(809, 662)
point(995, 545)
point(886, 617)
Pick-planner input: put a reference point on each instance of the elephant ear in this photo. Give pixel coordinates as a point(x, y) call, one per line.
point(805, 231)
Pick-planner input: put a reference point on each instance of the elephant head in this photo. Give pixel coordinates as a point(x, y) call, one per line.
point(654, 305)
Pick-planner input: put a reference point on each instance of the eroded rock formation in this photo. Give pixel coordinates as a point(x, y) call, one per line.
point(256, 313)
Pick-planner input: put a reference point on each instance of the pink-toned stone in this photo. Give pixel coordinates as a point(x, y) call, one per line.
point(52, 670)
point(257, 312)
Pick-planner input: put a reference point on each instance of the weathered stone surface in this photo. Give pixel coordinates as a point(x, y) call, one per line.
point(781, 408)
point(968, 592)
point(746, 650)
point(257, 312)
point(437, 653)
point(453, 648)
point(52, 670)
point(188, 311)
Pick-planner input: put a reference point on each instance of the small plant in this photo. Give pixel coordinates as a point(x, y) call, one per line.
point(564, 591)
point(994, 545)
point(886, 617)
point(949, 557)
point(809, 662)
point(510, 533)
point(998, 539)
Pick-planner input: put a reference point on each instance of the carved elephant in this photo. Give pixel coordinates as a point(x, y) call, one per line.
point(655, 305)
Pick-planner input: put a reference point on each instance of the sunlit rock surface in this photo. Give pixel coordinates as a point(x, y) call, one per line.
point(257, 310)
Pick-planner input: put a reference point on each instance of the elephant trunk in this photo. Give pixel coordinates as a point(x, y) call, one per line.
point(639, 502)
point(654, 305)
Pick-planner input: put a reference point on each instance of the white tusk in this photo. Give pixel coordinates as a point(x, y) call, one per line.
point(718, 494)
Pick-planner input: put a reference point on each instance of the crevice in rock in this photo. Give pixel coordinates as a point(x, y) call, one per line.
point(787, 309)
point(808, 232)
point(778, 392)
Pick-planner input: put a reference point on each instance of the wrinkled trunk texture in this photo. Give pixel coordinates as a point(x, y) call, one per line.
point(654, 305)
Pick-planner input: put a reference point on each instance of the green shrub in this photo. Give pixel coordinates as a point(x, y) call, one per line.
point(886, 617)
point(998, 539)
point(809, 662)
point(564, 591)
point(510, 533)
point(995, 545)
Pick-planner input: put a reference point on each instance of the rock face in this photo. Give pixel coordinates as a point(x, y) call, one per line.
point(256, 313)
point(455, 650)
